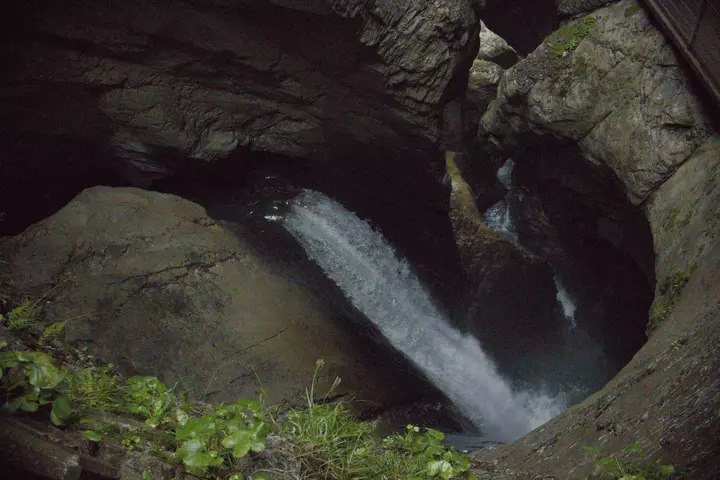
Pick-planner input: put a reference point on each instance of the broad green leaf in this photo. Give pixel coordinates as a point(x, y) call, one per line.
point(633, 448)
point(240, 442)
point(197, 428)
point(434, 450)
point(259, 476)
point(61, 409)
point(3, 341)
point(152, 422)
point(150, 383)
point(181, 416)
point(26, 403)
point(462, 462)
point(92, 436)
point(440, 468)
point(147, 475)
point(435, 434)
point(237, 476)
point(28, 357)
point(261, 430)
point(235, 425)
point(44, 375)
point(9, 359)
point(195, 459)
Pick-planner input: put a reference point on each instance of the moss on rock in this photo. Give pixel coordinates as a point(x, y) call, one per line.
point(567, 38)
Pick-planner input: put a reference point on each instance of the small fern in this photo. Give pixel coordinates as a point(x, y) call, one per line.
point(23, 316)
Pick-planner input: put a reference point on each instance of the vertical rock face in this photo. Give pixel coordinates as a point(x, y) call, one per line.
point(612, 83)
point(609, 84)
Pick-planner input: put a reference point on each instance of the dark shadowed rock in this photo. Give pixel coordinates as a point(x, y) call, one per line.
point(510, 290)
point(159, 82)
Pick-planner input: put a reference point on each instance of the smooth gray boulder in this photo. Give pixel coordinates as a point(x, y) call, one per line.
point(149, 282)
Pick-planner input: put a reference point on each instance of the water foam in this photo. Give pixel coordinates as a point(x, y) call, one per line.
point(384, 288)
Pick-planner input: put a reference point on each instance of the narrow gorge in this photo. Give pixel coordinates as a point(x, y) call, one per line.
point(498, 220)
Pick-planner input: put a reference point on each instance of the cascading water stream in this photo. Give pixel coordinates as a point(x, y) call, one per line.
point(384, 288)
point(566, 302)
point(498, 218)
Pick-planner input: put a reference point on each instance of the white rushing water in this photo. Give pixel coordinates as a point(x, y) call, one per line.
point(384, 288)
point(566, 302)
point(498, 218)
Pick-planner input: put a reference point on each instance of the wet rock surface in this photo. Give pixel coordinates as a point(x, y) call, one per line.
point(510, 290)
point(622, 93)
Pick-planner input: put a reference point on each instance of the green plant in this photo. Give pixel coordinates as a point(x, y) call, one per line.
point(149, 398)
point(331, 444)
point(130, 442)
point(93, 388)
point(669, 294)
point(30, 381)
point(441, 462)
point(221, 437)
point(630, 468)
point(51, 332)
point(24, 316)
point(632, 10)
point(567, 38)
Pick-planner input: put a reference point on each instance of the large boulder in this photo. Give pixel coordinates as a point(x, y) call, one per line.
point(149, 282)
point(611, 84)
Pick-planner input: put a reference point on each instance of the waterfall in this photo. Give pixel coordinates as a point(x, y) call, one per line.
point(384, 288)
point(498, 218)
point(567, 303)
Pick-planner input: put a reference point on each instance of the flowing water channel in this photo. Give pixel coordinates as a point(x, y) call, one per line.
point(384, 288)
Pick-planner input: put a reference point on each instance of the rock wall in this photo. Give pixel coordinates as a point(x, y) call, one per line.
point(102, 92)
point(610, 83)
point(153, 79)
